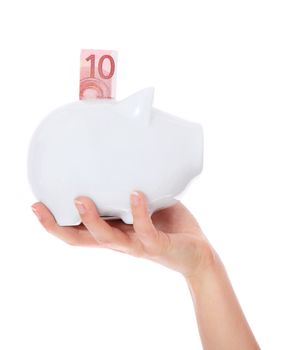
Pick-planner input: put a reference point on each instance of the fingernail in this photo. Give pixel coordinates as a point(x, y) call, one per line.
point(36, 212)
point(135, 199)
point(80, 206)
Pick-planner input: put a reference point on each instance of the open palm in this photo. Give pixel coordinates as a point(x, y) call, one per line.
point(171, 237)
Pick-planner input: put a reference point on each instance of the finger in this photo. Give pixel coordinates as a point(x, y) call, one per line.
point(70, 235)
point(103, 233)
point(155, 242)
point(142, 221)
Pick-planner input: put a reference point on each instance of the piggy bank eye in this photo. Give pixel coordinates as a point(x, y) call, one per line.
point(138, 106)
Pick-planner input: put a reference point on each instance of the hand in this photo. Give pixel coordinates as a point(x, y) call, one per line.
point(171, 237)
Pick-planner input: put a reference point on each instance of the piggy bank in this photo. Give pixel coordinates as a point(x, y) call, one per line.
point(105, 149)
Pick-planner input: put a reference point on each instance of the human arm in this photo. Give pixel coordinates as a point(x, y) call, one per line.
point(173, 238)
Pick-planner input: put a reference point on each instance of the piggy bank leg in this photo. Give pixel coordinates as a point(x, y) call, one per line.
point(64, 212)
point(127, 217)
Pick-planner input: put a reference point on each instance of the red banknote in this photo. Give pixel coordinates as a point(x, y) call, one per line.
point(97, 74)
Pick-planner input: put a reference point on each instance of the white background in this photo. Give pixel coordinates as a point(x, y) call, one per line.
point(219, 63)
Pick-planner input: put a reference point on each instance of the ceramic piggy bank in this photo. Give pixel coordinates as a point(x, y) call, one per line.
point(106, 149)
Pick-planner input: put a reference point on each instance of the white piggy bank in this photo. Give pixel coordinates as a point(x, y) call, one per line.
point(106, 149)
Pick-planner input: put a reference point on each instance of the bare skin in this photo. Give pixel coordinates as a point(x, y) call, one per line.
point(171, 237)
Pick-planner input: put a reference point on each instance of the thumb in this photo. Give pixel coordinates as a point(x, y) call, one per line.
point(142, 223)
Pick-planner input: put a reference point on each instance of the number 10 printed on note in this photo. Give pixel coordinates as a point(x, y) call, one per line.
point(97, 74)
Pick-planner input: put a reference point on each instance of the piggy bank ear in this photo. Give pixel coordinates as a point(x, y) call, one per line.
point(138, 106)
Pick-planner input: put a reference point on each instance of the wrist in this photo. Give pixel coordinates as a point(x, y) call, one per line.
point(206, 271)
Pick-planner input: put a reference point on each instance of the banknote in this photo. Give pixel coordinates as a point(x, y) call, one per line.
point(97, 74)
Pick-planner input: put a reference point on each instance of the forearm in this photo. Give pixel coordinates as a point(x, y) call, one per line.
point(221, 322)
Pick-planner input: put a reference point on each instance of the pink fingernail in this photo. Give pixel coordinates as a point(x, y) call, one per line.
point(135, 199)
point(36, 212)
point(80, 206)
